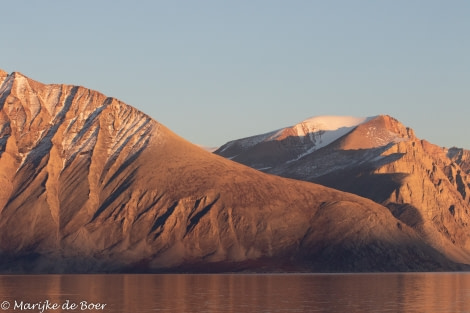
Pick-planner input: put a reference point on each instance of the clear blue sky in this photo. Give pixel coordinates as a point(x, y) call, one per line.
point(213, 71)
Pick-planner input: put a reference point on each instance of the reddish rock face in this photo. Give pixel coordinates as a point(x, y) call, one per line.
point(425, 186)
point(91, 184)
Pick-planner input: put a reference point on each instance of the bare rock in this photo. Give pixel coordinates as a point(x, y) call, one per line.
point(90, 184)
point(425, 186)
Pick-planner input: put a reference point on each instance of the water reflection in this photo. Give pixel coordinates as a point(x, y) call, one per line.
point(444, 292)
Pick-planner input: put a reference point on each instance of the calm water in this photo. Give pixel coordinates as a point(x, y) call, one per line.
point(442, 292)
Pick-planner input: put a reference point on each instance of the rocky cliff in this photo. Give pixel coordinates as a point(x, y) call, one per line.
point(461, 157)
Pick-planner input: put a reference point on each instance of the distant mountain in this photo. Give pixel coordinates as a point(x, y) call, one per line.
point(425, 186)
point(90, 184)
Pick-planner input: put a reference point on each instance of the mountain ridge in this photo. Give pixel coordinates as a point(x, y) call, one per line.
point(91, 184)
point(422, 184)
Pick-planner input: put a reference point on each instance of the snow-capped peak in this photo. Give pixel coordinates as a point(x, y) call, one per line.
point(329, 122)
point(315, 132)
point(322, 130)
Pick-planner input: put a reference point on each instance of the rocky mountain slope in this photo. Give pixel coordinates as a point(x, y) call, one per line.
point(425, 186)
point(461, 157)
point(90, 184)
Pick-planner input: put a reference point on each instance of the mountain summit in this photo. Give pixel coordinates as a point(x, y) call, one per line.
point(425, 186)
point(271, 150)
point(90, 184)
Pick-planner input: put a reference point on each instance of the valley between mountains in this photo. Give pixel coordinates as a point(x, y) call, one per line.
point(90, 184)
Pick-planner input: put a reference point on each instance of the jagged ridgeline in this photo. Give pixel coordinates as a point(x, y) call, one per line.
point(90, 184)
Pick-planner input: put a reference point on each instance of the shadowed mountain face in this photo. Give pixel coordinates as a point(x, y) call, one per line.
point(426, 187)
point(90, 184)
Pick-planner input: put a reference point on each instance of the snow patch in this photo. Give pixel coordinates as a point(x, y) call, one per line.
point(254, 140)
point(52, 99)
point(263, 168)
point(331, 122)
point(323, 139)
point(248, 142)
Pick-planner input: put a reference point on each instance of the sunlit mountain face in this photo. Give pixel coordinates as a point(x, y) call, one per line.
point(90, 184)
point(424, 186)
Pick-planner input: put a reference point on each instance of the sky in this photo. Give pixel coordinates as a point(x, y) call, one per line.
point(214, 71)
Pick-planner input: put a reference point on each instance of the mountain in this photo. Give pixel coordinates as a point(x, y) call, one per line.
point(90, 184)
point(461, 157)
point(424, 186)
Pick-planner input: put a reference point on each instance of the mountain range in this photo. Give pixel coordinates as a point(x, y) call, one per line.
point(91, 184)
point(424, 186)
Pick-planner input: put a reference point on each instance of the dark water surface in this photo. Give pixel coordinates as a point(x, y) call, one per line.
point(423, 292)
